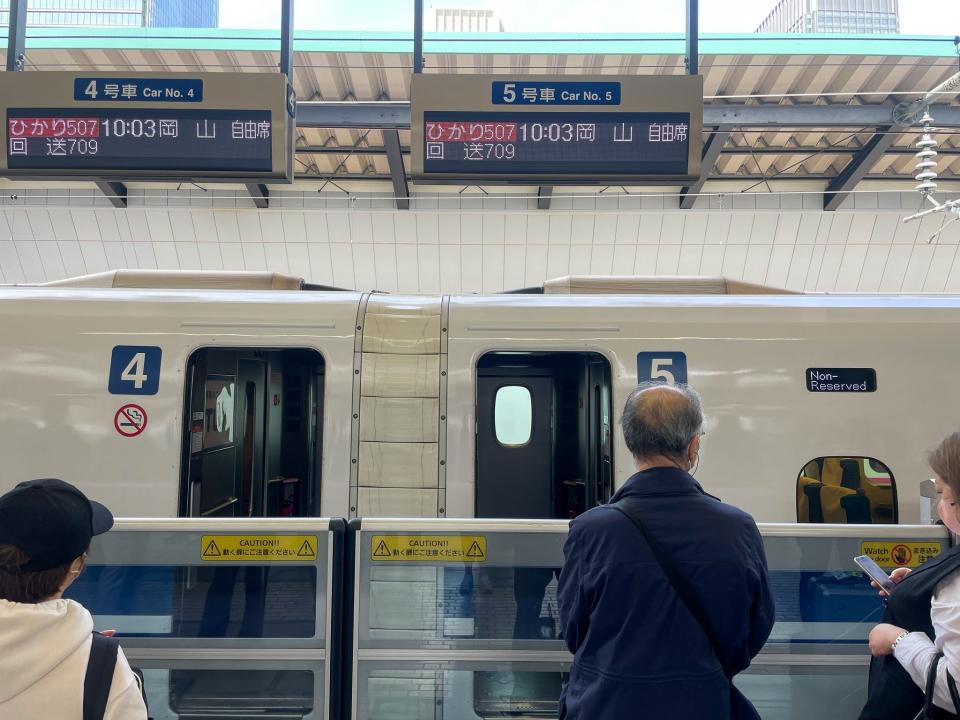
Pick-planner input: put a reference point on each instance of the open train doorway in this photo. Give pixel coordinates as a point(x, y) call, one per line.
point(543, 438)
point(253, 435)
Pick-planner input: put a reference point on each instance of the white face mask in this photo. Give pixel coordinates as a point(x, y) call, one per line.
point(948, 514)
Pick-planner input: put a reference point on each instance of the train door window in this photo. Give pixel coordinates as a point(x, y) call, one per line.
point(513, 415)
point(852, 490)
point(253, 435)
point(543, 439)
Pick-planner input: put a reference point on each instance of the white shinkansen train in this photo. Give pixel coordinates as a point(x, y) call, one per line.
point(248, 395)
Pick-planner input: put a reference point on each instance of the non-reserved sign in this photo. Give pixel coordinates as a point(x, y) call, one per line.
point(833, 380)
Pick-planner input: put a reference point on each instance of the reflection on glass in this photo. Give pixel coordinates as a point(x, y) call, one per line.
point(222, 601)
point(233, 692)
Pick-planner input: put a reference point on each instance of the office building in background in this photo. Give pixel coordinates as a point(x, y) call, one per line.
point(833, 16)
point(448, 18)
point(117, 13)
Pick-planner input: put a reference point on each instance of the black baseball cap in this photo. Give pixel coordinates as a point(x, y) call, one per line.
point(51, 521)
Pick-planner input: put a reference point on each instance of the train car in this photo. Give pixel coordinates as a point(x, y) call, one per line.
point(249, 395)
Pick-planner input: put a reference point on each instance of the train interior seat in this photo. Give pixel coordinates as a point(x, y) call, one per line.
point(543, 437)
point(803, 499)
point(849, 490)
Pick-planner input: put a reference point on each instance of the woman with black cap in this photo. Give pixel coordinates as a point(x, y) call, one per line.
point(45, 641)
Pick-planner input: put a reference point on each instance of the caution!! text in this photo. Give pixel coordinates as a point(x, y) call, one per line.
point(258, 548)
point(429, 548)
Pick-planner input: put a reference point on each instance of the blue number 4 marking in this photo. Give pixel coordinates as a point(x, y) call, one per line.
point(668, 367)
point(134, 370)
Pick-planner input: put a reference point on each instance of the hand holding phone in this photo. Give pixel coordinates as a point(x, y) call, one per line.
point(875, 572)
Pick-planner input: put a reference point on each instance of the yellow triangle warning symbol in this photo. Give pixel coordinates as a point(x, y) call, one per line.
point(475, 551)
point(306, 550)
point(211, 550)
point(382, 550)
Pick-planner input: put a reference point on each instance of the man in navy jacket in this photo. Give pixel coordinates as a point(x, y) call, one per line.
point(639, 651)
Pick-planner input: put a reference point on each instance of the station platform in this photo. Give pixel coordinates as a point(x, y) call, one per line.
point(455, 619)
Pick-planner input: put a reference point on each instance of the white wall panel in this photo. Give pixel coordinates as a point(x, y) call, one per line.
point(364, 265)
point(471, 267)
point(115, 255)
point(275, 257)
point(535, 265)
point(483, 244)
point(49, 253)
point(558, 261)
point(321, 263)
point(408, 278)
point(939, 271)
point(919, 266)
point(756, 263)
point(210, 258)
point(690, 256)
point(799, 267)
point(668, 259)
point(440, 269)
point(895, 269)
point(711, 261)
point(560, 229)
point(10, 262)
point(873, 265)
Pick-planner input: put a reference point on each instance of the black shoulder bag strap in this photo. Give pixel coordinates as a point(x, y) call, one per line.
point(99, 677)
point(927, 712)
point(680, 583)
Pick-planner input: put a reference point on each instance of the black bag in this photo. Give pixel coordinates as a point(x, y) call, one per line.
point(99, 676)
point(928, 708)
point(741, 707)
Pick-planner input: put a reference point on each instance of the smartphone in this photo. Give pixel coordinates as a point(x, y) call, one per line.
point(876, 573)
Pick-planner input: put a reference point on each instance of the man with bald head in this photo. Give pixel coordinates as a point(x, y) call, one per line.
point(664, 595)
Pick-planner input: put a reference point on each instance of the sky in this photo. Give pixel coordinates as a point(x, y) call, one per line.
point(917, 17)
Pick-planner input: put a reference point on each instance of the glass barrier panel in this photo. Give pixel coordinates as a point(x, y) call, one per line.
point(506, 599)
point(792, 692)
point(458, 690)
point(236, 689)
point(823, 600)
point(156, 586)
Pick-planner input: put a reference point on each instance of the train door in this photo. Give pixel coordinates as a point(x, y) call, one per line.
point(254, 431)
point(516, 443)
point(543, 434)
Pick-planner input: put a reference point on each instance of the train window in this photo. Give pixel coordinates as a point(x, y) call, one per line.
point(513, 415)
point(253, 433)
point(848, 490)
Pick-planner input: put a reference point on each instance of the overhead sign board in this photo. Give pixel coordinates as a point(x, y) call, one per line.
point(210, 126)
point(546, 129)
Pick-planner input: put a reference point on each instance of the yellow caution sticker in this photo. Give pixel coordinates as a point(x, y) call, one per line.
point(901, 554)
point(258, 548)
point(429, 548)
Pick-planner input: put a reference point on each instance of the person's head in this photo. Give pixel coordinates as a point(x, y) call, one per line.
point(944, 460)
point(662, 425)
point(45, 530)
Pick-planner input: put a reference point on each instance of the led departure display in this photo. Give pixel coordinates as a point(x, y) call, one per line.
point(570, 143)
point(163, 127)
point(153, 140)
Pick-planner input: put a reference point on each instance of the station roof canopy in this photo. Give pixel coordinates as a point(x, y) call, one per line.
point(794, 107)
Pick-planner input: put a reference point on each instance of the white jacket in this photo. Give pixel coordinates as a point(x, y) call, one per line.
point(44, 650)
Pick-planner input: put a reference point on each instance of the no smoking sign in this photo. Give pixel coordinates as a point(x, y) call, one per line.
point(130, 420)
